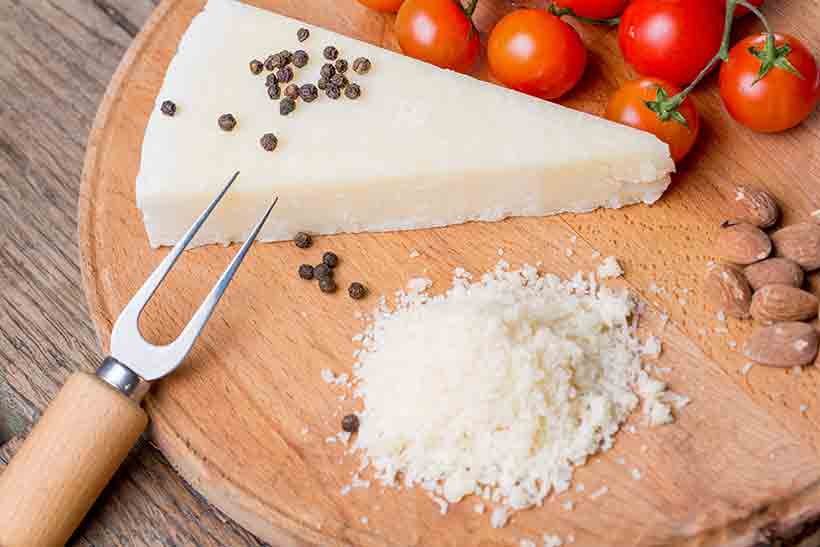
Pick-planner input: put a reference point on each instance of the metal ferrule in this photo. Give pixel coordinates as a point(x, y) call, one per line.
point(123, 379)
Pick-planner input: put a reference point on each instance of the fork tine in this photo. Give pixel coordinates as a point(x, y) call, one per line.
point(141, 298)
point(182, 345)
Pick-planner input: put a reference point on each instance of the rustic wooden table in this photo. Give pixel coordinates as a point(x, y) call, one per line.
point(56, 57)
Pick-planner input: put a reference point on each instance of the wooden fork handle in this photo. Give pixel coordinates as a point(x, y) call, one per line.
point(66, 461)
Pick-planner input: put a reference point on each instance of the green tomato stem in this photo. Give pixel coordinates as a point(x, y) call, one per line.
point(721, 55)
point(470, 9)
point(559, 12)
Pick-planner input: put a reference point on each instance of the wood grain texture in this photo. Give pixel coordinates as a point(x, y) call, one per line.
point(740, 461)
point(57, 58)
point(66, 462)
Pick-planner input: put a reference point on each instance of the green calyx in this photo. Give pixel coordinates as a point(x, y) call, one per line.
point(470, 9)
point(560, 12)
point(773, 56)
point(667, 109)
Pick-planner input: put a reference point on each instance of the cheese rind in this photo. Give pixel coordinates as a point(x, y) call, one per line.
point(421, 147)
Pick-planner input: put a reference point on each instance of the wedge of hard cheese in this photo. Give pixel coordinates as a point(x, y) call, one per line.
point(420, 147)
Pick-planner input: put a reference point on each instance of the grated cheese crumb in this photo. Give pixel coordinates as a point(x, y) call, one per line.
point(721, 316)
point(526, 543)
point(506, 349)
point(580, 487)
point(552, 541)
point(596, 254)
point(636, 474)
point(803, 408)
point(610, 268)
point(568, 252)
point(327, 375)
point(345, 490)
point(500, 252)
point(598, 493)
point(478, 508)
point(744, 370)
point(414, 253)
point(499, 517)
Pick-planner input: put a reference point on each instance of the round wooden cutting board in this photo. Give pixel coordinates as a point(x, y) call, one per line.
point(246, 418)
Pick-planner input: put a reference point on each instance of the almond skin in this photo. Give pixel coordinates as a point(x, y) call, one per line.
point(782, 345)
point(799, 242)
point(752, 205)
point(742, 244)
point(726, 286)
point(783, 303)
point(774, 271)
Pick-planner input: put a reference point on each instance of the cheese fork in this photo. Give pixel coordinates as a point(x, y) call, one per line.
point(89, 428)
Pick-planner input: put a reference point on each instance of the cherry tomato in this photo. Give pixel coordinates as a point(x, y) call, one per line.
point(537, 53)
point(671, 39)
point(780, 99)
point(740, 11)
point(439, 32)
point(628, 106)
point(594, 9)
point(387, 6)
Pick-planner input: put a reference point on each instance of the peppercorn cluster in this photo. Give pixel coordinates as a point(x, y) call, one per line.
point(332, 80)
point(332, 76)
point(324, 272)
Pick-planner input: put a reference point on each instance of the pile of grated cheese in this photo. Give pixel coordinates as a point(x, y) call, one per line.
point(499, 387)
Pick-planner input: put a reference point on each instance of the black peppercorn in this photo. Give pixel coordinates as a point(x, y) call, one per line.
point(286, 57)
point(274, 92)
point(309, 93)
point(226, 122)
point(339, 80)
point(270, 80)
point(300, 58)
point(169, 108)
point(322, 83)
point(357, 291)
point(256, 66)
point(330, 259)
point(341, 65)
point(292, 91)
point(353, 91)
point(327, 71)
point(269, 142)
point(284, 74)
point(302, 34)
point(333, 92)
point(361, 65)
point(327, 284)
point(286, 106)
point(306, 271)
point(350, 423)
point(272, 62)
point(321, 271)
point(303, 240)
point(330, 53)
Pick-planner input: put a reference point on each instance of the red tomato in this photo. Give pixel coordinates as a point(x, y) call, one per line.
point(740, 11)
point(780, 99)
point(671, 39)
point(594, 9)
point(628, 106)
point(537, 53)
point(388, 6)
point(439, 32)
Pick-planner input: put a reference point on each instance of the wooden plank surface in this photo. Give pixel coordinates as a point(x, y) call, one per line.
point(57, 57)
point(737, 461)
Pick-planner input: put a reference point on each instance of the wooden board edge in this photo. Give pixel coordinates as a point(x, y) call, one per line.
point(99, 130)
point(778, 517)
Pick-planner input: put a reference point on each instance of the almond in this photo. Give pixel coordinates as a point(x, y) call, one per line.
point(726, 287)
point(742, 244)
point(754, 206)
point(799, 242)
point(782, 345)
point(783, 303)
point(774, 271)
